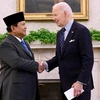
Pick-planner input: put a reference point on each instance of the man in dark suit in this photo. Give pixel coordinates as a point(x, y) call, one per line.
point(18, 72)
point(74, 54)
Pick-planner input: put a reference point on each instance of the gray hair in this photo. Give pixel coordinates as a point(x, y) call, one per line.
point(64, 7)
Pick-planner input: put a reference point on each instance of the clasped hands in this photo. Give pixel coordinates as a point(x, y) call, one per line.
point(42, 67)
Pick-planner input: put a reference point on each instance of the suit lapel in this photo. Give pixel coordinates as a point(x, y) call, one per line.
point(12, 38)
point(69, 37)
point(29, 49)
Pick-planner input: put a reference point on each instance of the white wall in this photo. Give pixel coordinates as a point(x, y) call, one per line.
point(9, 6)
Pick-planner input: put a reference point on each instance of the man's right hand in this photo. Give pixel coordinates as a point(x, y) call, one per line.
point(41, 67)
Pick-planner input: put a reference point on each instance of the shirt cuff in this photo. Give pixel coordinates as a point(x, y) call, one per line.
point(47, 69)
point(81, 83)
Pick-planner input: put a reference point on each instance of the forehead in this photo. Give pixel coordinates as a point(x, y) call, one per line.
point(56, 9)
point(21, 23)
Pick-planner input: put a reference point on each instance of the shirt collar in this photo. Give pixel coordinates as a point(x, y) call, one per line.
point(68, 26)
point(18, 38)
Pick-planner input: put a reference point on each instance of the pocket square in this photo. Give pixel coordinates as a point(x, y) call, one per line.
point(72, 40)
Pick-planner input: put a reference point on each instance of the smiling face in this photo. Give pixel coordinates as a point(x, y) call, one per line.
point(59, 16)
point(19, 30)
point(62, 14)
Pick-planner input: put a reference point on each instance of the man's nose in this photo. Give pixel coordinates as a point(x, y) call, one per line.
point(25, 27)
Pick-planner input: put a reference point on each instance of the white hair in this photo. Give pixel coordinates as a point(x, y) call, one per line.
point(64, 7)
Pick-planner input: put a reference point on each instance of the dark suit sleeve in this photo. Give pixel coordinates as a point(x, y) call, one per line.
point(10, 56)
point(86, 53)
point(52, 63)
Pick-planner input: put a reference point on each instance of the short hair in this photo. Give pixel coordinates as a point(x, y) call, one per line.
point(9, 27)
point(64, 7)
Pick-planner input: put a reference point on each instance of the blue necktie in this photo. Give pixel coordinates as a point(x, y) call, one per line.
point(62, 39)
point(25, 46)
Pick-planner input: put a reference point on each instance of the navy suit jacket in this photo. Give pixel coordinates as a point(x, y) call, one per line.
point(76, 60)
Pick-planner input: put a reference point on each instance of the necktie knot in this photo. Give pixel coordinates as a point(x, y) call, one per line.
point(22, 42)
point(63, 29)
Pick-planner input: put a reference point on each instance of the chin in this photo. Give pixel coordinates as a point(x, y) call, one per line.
point(24, 34)
point(59, 25)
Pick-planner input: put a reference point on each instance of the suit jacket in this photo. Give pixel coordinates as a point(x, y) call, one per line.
point(18, 78)
point(76, 60)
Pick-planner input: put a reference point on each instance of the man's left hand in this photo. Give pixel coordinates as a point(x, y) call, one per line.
point(78, 86)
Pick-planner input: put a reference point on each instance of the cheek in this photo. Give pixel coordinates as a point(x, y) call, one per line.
point(21, 28)
point(61, 20)
point(20, 31)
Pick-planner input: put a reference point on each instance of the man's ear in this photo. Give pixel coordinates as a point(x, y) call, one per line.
point(65, 12)
point(13, 28)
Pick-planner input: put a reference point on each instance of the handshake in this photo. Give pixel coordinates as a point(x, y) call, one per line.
point(42, 66)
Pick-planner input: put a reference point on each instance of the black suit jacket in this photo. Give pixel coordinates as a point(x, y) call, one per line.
point(76, 60)
point(18, 78)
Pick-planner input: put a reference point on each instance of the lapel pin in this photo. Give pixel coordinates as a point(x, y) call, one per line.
point(72, 31)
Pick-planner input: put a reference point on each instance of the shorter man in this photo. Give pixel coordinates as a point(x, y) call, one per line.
point(18, 78)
